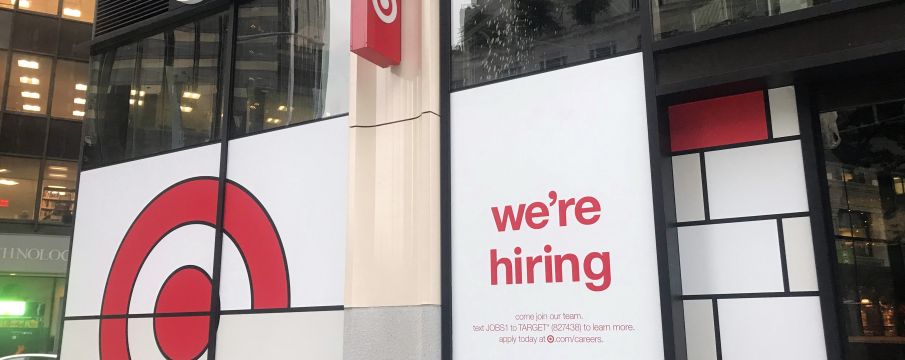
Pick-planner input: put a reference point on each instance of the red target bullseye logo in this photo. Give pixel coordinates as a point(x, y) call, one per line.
point(183, 306)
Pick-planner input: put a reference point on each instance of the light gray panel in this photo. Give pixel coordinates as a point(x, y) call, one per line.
point(393, 333)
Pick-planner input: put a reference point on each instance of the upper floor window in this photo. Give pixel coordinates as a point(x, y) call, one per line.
point(495, 39)
point(160, 93)
point(292, 63)
point(677, 17)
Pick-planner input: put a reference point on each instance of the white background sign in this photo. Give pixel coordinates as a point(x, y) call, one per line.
point(553, 240)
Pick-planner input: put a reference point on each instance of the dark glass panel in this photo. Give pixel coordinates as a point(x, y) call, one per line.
point(64, 139)
point(74, 38)
point(494, 39)
point(20, 134)
point(36, 33)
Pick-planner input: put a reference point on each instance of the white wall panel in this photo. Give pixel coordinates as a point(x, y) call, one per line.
point(689, 188)
point(788, 328)
point(784, 112)
point(730, 258)
point(700, 336)
point(800, 254)
point(756, 180)
point(142, 342)
point(110, 199)
point(80, 340)
point(299, 175)
point(309, 335)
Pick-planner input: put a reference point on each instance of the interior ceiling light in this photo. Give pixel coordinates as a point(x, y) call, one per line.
point(28, 107)
point(78, 113)
point(81, 87)
point(8, 182)
point(72, 12)
point(29, 80)
point(28, 64)
point(80, 101)
point(58, 168)
point(31, 95)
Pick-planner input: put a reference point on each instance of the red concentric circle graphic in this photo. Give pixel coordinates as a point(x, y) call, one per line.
point(181, 332)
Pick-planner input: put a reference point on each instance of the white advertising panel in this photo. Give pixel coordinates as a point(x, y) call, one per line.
point(144, 265)
point(553, 239)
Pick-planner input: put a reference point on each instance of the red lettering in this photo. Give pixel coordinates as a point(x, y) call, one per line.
point(509, 217)
point(587, 205)
point(537, 210)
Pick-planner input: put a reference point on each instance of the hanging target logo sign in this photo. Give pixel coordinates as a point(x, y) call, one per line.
point(377, 31)
point(183, 307)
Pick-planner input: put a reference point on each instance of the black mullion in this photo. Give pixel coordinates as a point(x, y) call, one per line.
point(744, 219)
point(784, 261)
point(228, 79)
point(738, 145)
point(672, 308)
point(767, 114)
point(706, 196)
point(717, 337)
point(446, 280)
point(821, 223)
point(761, 295)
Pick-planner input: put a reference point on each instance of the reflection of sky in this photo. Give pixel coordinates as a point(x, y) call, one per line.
point(337, 97)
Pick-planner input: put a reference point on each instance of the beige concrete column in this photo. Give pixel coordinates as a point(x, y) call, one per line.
point(393, 249)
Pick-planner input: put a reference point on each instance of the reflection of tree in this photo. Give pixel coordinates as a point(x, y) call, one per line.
point(502, 37)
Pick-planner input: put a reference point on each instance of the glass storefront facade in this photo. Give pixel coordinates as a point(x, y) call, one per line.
point(777, 209)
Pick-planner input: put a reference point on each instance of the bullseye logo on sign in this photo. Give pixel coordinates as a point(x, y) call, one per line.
point(183, 305)
point(377, 31)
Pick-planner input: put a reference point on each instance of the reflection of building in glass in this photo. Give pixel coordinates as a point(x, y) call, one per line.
point(502, 38)
point(677, 17)
point(864, 176)
point(282, 59)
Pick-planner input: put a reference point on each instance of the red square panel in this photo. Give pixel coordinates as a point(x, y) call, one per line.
point(720, 121)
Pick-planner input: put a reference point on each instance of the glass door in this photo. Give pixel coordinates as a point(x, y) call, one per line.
point(864, 152)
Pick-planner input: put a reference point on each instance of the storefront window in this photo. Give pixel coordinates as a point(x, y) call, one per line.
point(58, 192)
point(18, 186)
point(36, 33)
point(51, 7)
point(28, 90)
point(292, 61)
point(865, 161)
point(82, 10)
point(31, 314)
point(677, 17)
point(494, 39)
point(7, 4)
point(68, 100)
point(158, 94)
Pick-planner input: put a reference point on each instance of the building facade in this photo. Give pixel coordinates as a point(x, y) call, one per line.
point(44, 50)
point(674, 179)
